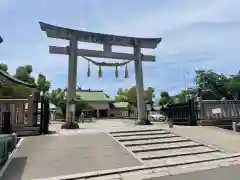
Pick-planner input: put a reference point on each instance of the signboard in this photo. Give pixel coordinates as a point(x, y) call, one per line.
point(216, 111)
point(148, 106)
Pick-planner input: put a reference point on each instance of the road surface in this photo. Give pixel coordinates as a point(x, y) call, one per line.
point(222, 173)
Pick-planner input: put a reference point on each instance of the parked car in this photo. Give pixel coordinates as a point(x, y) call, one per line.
point(155, 116)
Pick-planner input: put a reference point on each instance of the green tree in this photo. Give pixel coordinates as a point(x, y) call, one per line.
point(213, 85)
point(180, 97)
point(149, 94)
point(165, 98)
point(4, 67)
point(121, 95)
point(58, 97)
point(234, 85)
point(23, 73)
point(43, 84)
point(130, 95)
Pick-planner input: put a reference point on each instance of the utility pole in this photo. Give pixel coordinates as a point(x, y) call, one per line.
point(185, 83)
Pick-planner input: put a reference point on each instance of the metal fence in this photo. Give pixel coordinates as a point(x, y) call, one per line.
point(182, 113)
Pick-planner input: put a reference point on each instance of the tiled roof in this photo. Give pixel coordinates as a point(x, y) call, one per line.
point(7, 79)
point(93, 96)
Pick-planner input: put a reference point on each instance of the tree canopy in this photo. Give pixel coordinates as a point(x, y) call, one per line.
point(43, 84)
point(209, 85)
point(130, 95)
point(58, 98)
point(4, 67)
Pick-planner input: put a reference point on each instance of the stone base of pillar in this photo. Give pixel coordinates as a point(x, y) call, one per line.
point(143, 122)
point(70, 125)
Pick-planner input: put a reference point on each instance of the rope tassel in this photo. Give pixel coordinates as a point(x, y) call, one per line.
point(100, 64)
point(88, 72)
point(100, 72)
point(116, 72)
point(126, 72)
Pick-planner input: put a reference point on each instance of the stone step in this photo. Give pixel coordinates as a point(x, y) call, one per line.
point(136, 138)
point(155, 141)
point(135, 131)
point(174, 153)
point(186, 159)
point(27, 133)
point(25, 128)
point(140, 134)
point(158, 147)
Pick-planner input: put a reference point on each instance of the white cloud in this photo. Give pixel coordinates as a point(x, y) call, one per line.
point(196, 34)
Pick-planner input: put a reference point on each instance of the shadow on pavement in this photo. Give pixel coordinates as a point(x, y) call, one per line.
point(15, 169)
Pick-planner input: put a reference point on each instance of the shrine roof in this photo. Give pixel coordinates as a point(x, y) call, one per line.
point(8, 80)
point(94, 96)
point(91, 37)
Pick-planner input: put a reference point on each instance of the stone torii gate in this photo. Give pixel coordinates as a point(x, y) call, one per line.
point(107, 41)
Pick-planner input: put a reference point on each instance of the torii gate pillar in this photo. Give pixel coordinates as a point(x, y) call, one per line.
point(72, 79)
point(139, 84)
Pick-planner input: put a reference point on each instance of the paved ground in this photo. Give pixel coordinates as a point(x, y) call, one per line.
point(47, 156)
point(217, 137)
point(106, 125)
point(222, 173)
point(90, 149)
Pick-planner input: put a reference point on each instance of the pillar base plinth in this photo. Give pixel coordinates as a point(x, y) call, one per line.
point(145, 122)
point(70, 125)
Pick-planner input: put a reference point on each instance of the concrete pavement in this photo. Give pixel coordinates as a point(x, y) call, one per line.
point(50, 156)
point(221, 173)
point(91, 153)
point(222, 139)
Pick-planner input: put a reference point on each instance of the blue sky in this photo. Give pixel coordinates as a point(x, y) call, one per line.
point(196, 35)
